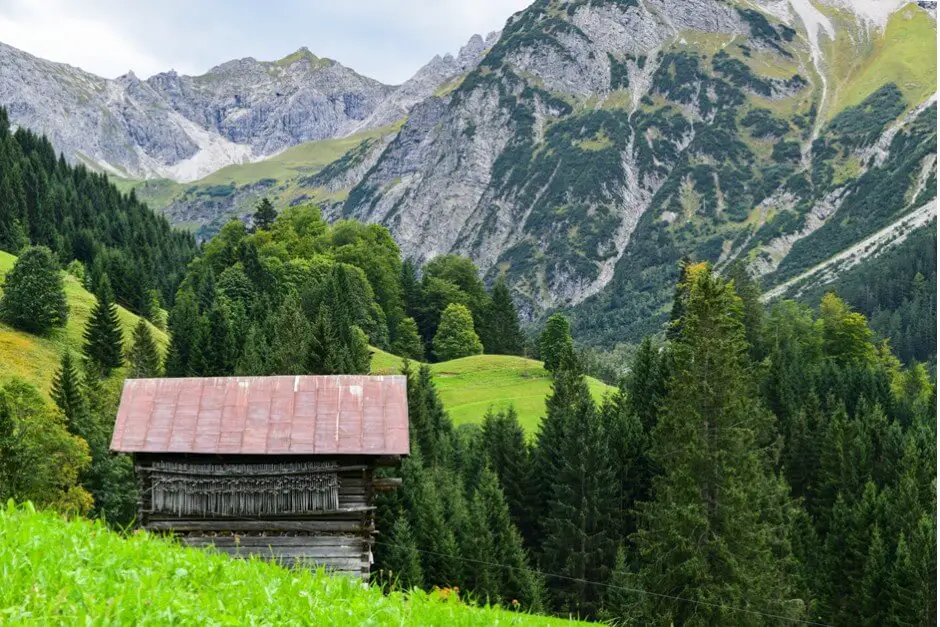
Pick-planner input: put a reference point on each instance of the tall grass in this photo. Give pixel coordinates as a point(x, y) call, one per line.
point(76, 572)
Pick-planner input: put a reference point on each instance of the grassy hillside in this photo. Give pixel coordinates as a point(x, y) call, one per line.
point(78, 572)
point(468, 386)
point(905, 53)
point(36, 358)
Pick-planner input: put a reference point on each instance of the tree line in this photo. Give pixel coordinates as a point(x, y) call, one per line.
point(84, 219)
point(757, 465)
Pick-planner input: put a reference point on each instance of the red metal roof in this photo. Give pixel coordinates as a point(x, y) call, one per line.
point(303, 415)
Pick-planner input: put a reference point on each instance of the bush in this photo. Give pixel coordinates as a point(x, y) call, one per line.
point(455, 336)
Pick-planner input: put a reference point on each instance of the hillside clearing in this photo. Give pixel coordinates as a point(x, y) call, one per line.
point(36, 358)
point(470, 385)
point(78, 572)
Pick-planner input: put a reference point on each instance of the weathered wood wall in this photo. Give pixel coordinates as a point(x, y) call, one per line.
point(339, 537)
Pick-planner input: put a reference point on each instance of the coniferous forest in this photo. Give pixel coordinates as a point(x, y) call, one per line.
point(757, 464)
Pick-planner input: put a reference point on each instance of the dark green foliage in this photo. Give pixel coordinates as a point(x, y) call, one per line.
point(509, 455)
point(763, 124)
point(555, 342)
point(455, 335)
point(104, 339)
point(862, 124)
point(502, 333)
point(619, 76)
point(33, 295)
point(68, 395)
point(762, 30)
point(143, 357)
point(81, 216)
point(408, 343)
point(893, 291)
point(264, 215)
point(183, 325)
point(716, 527)
point(403, 563)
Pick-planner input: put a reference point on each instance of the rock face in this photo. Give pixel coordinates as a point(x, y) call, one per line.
point(185, 127)
point(582, 151)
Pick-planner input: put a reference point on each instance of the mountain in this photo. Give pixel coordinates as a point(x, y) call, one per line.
point(185, 127)
point(592, 144)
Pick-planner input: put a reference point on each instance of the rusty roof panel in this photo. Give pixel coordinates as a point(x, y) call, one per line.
point(303, 415)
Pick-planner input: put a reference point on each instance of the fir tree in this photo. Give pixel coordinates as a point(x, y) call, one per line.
point(710, 533)
point(33, 296)
point(290, 339)
point(408, 343)
point(555, 341)
point(68, 395)
point(455, 336)
point(509, 456)
point(579, 526)
point(647, 384)
point(220, 348)
point(143, 357)
point(183, 324)
point(503, 334)
point(411, 289)
point(752, 311)
point(402, 559)
point(264, 215)
point(254, 358)
point(104, 338)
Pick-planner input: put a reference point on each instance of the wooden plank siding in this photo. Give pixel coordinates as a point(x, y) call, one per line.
point(339, 539)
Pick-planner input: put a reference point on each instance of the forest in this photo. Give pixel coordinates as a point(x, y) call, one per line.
point(757, 464)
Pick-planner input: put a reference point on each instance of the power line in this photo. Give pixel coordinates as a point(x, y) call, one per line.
point(565, 577)
point(613, 587)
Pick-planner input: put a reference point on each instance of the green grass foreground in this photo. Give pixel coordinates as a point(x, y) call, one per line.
point(77, 572)
point(470, 385)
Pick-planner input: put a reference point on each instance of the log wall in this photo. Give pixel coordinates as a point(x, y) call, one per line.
point(338, 537)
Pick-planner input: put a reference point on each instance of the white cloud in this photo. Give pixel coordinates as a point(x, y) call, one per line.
point(386, 39)
point(53, 30)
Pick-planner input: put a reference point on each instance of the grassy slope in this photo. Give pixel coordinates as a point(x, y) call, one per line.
point(36, 358)
point(470, 385)
point(905, 53)
point(77, 572)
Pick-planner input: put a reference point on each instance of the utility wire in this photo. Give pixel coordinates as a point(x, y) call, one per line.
point(564, 577)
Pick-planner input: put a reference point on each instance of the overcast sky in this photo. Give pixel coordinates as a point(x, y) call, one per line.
point(385, 39)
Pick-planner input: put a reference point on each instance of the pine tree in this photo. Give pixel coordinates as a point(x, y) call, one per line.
point(647, 384)
point(264, 215)
point(455, 336)
point(711, 532)
point(408, 343)
point(515, 582)
point(411, 289)
point(290, 339)
point(183, 324)
point(104, 338)
point(220, 348)
point(402, 558)
point(503, 334)
point(618, 600)
point(752, 311)
point(555, 341)
point(68, 395)
point(509, 455)
point(254, 358)
point(579, 526)
point(33, 296)
point(143, 357)
point(629, 457)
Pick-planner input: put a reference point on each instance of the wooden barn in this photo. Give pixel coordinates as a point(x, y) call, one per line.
point(280, 467)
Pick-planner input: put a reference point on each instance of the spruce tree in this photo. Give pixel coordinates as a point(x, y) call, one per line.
point(402, 559)
point(555, 341)
point(143, 357)
point(711, 532)
point(183, 324)
point(408, 343)
point(647, 383)
point(503, 334)
point(254, 358)
point(104, 338)
point(33, 295)
point(579, 540)
point(509, 455)
point(220, 348)
point(68, 395)
point(264, 215)
point(455, 335)
point(411, 289)
point(290, 339)
point(752, 310)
